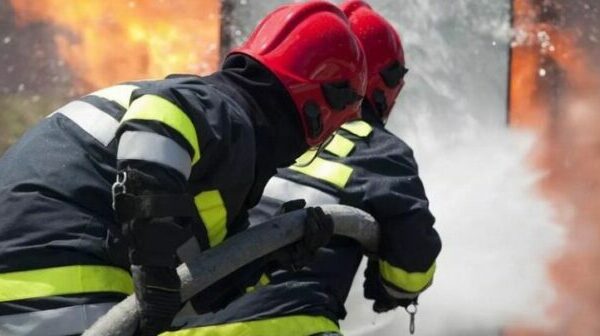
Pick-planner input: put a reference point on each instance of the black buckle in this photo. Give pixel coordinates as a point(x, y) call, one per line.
point(393, 74)
point(339, 95)
point(118, 187)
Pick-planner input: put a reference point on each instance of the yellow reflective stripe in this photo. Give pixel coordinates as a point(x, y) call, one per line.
point(121, 94)
point(340, 146)
point(411, 282)
point(298, 325)
point(306, 157)
point(333, 172)
point(211, 209)
point(64, 280)
point(358, 127)
point(151, 107)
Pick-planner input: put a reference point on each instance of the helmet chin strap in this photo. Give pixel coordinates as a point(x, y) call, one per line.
point(311, 154)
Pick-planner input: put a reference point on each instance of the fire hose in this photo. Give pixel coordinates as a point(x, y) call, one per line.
point(216, 263)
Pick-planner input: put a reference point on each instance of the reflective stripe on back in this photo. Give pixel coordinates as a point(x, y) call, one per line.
point(155, 148)
point(211, 209)
point(97, 123)
point(359, 128)
point(408, 281)
point(285, 190)
point(335, 173)
point(298, 325)
point(340, 146)
point(121, 94)
point(61, 321)
point(63, 281)
point(151, 107)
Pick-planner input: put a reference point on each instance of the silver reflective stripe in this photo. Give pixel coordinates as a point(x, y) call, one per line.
point(154, 148)
point(91, 119)
point(399, 294)
point(61, 321)
point(285, 190)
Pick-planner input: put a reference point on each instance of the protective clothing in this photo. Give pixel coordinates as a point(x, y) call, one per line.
point(384, 52)
point(327, 89)
point(367, 167)
point(213, 141)
point(364, 166)
point(338, 73)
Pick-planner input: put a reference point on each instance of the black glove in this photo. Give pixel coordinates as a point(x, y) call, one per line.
point(157, 290)
point(318, 229)
point(374, 290)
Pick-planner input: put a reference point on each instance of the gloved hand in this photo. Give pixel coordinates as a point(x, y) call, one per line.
point(157, 290)
point(375, 290)
point(318, 229)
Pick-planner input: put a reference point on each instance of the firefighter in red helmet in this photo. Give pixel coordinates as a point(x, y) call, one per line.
point(132, 171)
point(365, 166)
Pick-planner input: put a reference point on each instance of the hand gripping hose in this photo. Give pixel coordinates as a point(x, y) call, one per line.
point(214, 264)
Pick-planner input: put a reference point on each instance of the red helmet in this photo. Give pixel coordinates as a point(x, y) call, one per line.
point(314, 53)
point(385, 56)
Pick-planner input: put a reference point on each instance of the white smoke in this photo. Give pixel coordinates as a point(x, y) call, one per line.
point(498, 237)
point(498, 233)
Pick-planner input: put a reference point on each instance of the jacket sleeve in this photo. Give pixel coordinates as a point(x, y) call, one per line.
point(160, 130)
point(409, 244)
point(158, 143)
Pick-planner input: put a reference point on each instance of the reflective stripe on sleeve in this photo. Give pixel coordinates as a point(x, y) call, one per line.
point(333, 172)
point(359, 128)
point(284, 190)
point(63, 281)
point(155, 148)
point(72, 320)
point(340, 146)
point(211, 209)
point(121, 94)
point(397, 294)
point(298, 325)
point(151, 107)
point(410, 282)
point(97, 123)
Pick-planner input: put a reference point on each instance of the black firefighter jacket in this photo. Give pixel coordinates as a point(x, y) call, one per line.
point(367, 167)
point(211, 137)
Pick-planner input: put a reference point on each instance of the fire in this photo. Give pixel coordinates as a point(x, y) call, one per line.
point(554, 89)
point(105, 42)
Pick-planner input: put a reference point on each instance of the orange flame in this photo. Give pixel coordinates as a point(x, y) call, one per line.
point(554, 89)
point(105, 42)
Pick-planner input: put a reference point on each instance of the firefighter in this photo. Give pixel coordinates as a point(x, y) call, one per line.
point(96, 199)
point(364, 166)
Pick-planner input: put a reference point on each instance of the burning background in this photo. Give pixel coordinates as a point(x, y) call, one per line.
point(556, 91)
point(516, 205)
point(51, 50)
